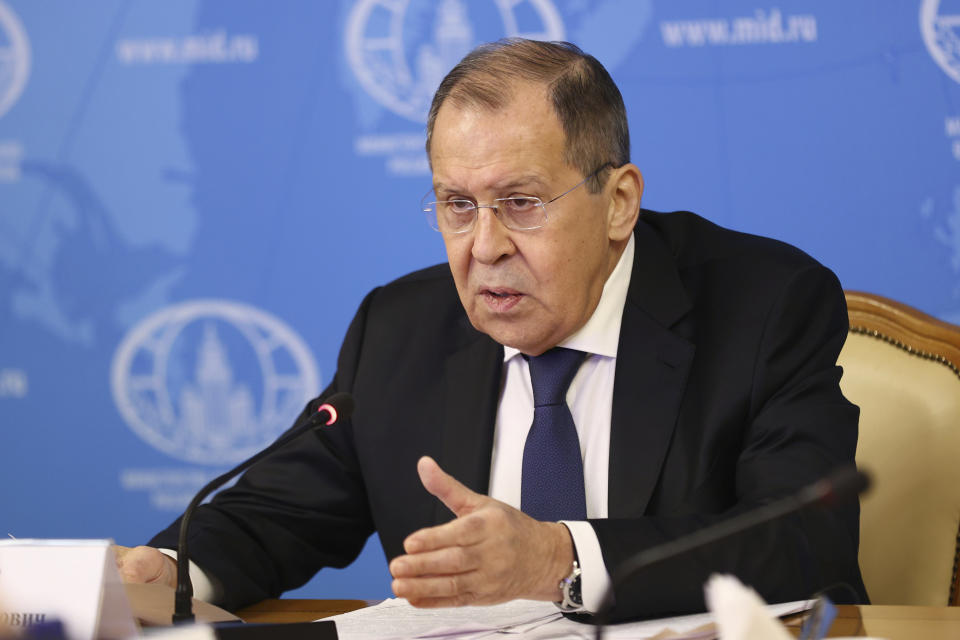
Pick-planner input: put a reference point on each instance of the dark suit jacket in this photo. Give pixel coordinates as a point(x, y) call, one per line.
point(726, 396)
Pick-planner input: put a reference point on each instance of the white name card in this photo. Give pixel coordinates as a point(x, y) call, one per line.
point(73, 581)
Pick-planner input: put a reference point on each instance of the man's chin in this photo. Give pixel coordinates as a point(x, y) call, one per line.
point(520, 336)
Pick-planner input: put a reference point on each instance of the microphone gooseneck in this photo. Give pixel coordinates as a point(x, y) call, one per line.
point(337, 407)
point(840, 485)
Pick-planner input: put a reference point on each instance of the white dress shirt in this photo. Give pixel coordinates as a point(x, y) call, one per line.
point(590, 398)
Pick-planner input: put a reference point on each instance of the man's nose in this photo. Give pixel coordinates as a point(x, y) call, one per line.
point(491, 239)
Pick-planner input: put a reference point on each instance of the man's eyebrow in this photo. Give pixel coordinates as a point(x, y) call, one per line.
point(439, 186)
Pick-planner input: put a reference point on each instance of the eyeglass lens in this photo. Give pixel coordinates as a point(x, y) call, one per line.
point(457, 216)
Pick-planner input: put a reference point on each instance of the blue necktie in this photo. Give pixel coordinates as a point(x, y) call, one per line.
point(551, 486)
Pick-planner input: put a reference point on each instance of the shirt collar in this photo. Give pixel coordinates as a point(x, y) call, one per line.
point(601, 333)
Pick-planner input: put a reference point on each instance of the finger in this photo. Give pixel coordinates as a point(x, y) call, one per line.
point(448, 561)
point(448, 489)
point(458, 587)
point(118, 553)
point(462, 532)
point(459, 601)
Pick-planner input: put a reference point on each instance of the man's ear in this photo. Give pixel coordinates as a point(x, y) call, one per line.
point(625, 186)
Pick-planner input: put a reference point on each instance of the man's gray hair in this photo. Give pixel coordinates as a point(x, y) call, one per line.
point(584, 97)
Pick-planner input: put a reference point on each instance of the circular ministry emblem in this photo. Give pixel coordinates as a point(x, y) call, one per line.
point(211, 381)
point(941, 34)
point(14, 58)
point(399, 50)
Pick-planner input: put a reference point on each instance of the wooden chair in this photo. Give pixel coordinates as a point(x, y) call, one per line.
point(902, 367)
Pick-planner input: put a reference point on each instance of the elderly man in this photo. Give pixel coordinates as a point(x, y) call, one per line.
point(583, 380)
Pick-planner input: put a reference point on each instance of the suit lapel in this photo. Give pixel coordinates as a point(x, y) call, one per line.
point(471, 390)
point(652, 368)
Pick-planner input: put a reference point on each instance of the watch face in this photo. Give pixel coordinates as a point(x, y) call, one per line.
point(570, 587)
point(575, 595)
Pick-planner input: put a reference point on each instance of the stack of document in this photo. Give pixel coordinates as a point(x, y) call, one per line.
point(395, 619)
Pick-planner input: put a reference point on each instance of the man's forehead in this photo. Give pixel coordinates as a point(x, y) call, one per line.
point(521, 104)
point(516, 144)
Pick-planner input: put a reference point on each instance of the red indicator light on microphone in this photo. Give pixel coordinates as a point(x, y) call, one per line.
point(329, 408)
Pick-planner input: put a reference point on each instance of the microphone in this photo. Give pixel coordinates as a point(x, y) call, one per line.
point(339, 406)
point(841, 484)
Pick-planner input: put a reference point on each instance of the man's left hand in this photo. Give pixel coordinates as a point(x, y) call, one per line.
point(490, 553)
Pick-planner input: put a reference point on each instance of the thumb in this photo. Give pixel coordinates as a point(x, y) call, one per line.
point(446, 488)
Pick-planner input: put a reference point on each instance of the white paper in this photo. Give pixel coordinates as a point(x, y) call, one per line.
point(184, 632)
point(690, 627)
point(395, 619)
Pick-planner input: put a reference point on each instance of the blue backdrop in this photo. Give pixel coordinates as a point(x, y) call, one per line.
point(195, 195)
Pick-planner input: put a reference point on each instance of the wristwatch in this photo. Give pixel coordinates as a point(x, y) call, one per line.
point(570, 589)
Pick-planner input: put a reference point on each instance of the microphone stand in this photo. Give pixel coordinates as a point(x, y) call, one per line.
point(846, 482)
point(337, 406)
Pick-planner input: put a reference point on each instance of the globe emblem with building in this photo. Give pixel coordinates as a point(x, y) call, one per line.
point(14, 58)
point(211, 381)
point(940, 26)
point(399, 50)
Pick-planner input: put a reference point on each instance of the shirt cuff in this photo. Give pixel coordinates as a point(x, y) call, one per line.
point(594, 577)
point(204, 585)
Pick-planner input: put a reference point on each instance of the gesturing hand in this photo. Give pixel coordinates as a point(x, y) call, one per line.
point(490, 553)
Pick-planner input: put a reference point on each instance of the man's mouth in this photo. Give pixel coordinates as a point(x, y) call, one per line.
point(501, 298)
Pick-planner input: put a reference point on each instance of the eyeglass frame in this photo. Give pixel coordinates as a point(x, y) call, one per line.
point(496, 207)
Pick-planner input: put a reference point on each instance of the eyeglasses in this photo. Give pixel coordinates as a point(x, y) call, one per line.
point(520, 213)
